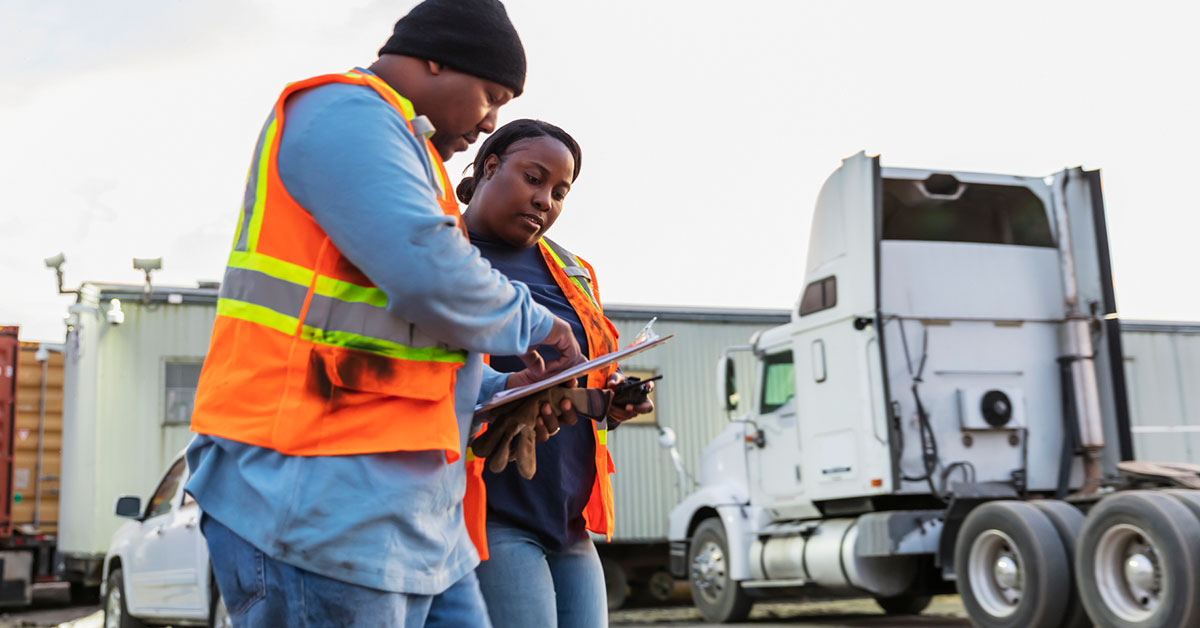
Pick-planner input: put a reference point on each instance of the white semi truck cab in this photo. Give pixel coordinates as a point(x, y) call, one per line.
point(946, 404)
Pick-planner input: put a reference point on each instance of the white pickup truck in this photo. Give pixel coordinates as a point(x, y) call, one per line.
point(157, 569)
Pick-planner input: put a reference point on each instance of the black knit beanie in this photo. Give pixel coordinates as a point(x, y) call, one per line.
point(471, 36)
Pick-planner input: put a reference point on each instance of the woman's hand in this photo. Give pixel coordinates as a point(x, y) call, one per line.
point(621, 414)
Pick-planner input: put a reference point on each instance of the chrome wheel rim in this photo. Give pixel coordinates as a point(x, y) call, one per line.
point(112, 608)
point(997, 573)
point(710, 572)
point(1129, 574)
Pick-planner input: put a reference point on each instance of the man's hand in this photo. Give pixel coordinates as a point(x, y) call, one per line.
point(562, 339)
point(624, 413)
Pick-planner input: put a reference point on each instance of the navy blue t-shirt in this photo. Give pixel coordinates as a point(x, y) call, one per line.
point(551, 504)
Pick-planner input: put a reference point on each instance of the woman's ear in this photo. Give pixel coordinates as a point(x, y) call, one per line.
point(490, 165)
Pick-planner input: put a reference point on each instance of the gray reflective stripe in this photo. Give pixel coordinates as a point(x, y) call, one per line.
point(329, 314)
point(572, 268)
point(578, 271)
point(251, 286)
point(252, 187)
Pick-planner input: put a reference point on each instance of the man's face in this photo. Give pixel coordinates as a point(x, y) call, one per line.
point(461, 107)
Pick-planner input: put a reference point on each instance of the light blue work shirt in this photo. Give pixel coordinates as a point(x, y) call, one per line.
point(390, 521)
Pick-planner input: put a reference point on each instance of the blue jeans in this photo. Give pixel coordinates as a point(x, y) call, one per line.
point(525, 584)
point(261, 591)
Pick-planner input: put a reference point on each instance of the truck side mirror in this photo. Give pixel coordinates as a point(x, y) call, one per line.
point(727, 384)
point(128, 506)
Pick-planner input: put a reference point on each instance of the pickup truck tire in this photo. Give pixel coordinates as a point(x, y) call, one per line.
point(1067, 521)
point(904, 604)
point(1011, 568)
point(1136, 561)
point(116, 614)
point(719, 597)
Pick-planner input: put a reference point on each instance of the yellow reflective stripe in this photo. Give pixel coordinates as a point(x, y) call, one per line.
point(352, 293)
point(274, 267)
point(238, 232)
point(257, 314)
point(260, 190)
point(602, 436)
point(382, 347)
point(470, 454)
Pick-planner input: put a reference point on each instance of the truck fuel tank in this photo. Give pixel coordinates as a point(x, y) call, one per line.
point(823, 554)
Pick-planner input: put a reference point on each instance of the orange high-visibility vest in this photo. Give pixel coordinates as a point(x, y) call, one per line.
point(305, 358)
point(577, 279)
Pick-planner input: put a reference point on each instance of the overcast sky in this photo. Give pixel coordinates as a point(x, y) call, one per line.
point(707, 128)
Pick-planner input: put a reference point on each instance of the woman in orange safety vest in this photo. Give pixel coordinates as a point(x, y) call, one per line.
point(541, 567)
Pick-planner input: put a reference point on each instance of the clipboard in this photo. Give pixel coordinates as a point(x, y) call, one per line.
point(579, 370)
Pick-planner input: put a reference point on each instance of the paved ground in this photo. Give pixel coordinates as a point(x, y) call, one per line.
point(946, 610)
point(52, 608)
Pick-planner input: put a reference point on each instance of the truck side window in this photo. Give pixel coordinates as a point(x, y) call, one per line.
point(160, 502)
point(974, 212)
point(778, 386)
point(819, 295)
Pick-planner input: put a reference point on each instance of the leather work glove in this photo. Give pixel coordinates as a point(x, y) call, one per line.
point(513, 433)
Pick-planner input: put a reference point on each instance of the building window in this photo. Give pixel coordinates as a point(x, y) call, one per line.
point(644, 419)
point(180, 386)
point(819, 295)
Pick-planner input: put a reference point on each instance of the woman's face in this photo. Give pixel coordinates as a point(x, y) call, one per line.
point(519, 197)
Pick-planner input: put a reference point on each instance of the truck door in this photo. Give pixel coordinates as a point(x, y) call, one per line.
point(1079, 192)
point(775, 457)
point(839, 379)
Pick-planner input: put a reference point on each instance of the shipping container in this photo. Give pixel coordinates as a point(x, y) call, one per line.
point(37, 438)
point(26, 547)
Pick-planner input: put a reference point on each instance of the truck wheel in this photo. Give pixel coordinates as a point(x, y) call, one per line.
point(660, 587)
point(616, 585)
point(116, 615)
point(1067, 521)
point(1011, 568)
point(719, 597)
point(904, 604)
point(1136, 562)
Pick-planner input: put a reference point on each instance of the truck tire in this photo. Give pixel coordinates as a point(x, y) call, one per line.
point(719, 597)
point(616, 584)
point(1136, 562)
point(904, 604)
point(1011, 568)
point(116, 614)
point(1067, 521)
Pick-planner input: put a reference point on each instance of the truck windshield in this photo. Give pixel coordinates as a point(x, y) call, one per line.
point(963, 212)
point(778, 386)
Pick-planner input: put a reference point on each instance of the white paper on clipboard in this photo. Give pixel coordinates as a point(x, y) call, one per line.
point(579, 370)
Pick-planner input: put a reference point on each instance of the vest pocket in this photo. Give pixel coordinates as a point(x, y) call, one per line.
point(366, 372)
point(347, 401)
